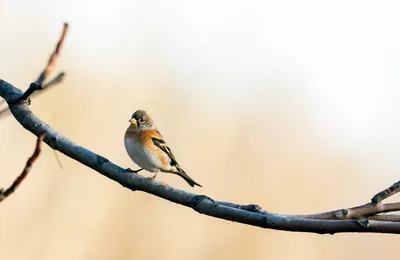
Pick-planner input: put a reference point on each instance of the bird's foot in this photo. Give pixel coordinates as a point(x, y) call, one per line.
point(152, 177)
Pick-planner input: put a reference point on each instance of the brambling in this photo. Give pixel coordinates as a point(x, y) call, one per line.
point(147, 148)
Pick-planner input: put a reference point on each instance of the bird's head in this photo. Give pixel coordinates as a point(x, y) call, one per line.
point(141, 121)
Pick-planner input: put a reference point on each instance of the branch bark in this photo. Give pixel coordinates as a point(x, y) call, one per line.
point(5, 193)
point(386, 193)
point(246, 214)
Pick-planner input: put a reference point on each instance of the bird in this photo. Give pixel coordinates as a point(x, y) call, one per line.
point(147, 148)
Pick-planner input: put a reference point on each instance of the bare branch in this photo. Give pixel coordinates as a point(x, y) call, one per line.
point(358, 212)
point(39, 83)
point(53, 58)
point(32, 88)
point(386, 217)
point(5, 193)
point(386, 193)
point(247, 214)
point(58, 79)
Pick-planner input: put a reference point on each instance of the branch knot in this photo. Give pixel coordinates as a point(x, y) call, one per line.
point(341, 214)
point(194, 202)
point(32, 88)
point(251, 208)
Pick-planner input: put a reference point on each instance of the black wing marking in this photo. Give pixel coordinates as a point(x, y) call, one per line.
point(163, 146)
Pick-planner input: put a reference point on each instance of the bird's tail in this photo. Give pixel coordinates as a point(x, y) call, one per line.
point(186, 177)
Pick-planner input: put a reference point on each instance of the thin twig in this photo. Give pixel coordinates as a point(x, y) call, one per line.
point(53, 58)
point(32, 88)
point(386, 193)
point(58, 79)
point(58, 159)
point(247, 214)
point(386, 217)
point(358, 212)
point(5, 193)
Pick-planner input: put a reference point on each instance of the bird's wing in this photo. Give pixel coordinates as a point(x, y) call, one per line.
point(160, 143)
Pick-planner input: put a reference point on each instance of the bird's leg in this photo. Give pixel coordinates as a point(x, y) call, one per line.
point(130, 170)
point(152, 177)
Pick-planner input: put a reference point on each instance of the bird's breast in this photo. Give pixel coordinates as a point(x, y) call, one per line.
point(141, 155)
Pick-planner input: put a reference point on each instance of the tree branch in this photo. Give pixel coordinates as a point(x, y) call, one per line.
point(386, 193)
point(386, 217)
point(5, 193)
point(359, 212)
point(246, 214)
point(53, 57)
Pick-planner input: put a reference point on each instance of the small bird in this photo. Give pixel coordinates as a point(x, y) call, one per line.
point(147, 148)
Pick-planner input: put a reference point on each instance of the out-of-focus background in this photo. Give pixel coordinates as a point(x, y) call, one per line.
point(293, 105)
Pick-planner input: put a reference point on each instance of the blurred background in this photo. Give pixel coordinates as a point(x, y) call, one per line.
point(291, 105)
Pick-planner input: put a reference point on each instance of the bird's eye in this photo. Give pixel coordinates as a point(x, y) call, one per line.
point(141, 120)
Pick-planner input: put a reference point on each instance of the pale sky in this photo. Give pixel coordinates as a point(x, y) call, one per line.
point(342, 56)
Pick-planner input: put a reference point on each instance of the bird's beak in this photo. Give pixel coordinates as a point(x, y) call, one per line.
point(133, 121)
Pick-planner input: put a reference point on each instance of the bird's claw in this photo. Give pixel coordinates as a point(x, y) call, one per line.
point(130, 170)
point(151, 178)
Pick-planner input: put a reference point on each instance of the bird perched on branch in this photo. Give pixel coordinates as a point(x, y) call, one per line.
point(147, 148)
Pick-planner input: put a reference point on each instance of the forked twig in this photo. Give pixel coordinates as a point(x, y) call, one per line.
point(39, 83)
